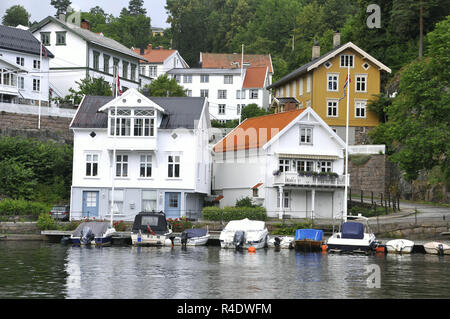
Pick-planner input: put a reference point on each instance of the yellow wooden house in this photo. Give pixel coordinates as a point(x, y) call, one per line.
point(320, 84)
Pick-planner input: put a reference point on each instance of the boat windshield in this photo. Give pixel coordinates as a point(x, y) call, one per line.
point(149, 220)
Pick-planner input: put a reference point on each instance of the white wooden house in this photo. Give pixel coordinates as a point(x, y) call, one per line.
point(162, 161)
point(291, 162)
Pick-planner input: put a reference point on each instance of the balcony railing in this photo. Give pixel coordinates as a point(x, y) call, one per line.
point(293, 178)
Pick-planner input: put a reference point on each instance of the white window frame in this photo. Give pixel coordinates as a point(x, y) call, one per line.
point(253, 94)
point(203, 91)
point(222, 109)
point(36, 85)
point(149, 195)
point(146, 163)
point(332, 106)
point(20, 60)
point(286, 199)
point(187, 78)
point(153, 70)
point(227, 79)
point(358, 78)
point(21, 83)
point(118, 201)
point(362, 106)
point(91, 162)
point(127, 122)
point(306, 133)
point(222, 94)
point(301, 87)
point(303, 163)
point(325, 166)
point(345, 62)
point(284, 165)
point(173, 161)
point(36, 64)
point(334, 80)
point(308, 84)
point(122, 161)
point(204, 78)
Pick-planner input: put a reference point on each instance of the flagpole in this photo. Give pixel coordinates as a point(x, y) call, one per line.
point(114, 143)
point(346, 145)
point(40, 84)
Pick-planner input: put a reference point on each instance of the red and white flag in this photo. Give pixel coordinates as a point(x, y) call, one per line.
point(117, 83)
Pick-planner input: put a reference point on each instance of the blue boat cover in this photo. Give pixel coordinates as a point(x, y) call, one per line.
point(195, 232)
point(353, 230)
point(312, 234)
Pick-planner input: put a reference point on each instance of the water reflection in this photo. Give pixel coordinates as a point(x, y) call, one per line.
point(52, 270)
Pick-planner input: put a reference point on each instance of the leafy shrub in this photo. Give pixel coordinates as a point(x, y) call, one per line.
point(244, 202)
point(10, 207)
point(232, 213)
point(120, 226)
point(45, 222)
point(289, 229)
point(179, 224)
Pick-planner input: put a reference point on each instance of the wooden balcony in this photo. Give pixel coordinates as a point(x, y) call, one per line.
point(295, 179)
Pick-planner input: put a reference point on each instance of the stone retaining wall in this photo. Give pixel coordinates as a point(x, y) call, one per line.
point(24, 228)
point(371, 176)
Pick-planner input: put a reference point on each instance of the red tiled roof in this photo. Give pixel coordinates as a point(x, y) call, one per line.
point(227, 60)
point(255, 77)
point(155, 55)
point(255, 132)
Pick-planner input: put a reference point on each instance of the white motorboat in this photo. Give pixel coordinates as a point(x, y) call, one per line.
point(93, 233)
point(354, 236)
point(244, 233)
point(280, 241)
point(151, 229)
point(437, 248)
point(402, 246)
point(192, 237)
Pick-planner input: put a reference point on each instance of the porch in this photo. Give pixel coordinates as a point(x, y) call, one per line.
point(314, 180)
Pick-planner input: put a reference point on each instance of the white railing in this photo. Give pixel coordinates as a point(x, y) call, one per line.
point(366, 149)
point(33, 109)
point(293, 178)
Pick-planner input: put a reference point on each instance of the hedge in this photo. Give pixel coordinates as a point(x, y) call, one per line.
point(9, 207)
point(232, 213)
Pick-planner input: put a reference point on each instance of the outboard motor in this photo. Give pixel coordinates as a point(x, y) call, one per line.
point(238, 239)
point(86, 236)
point(184, 238)
point(440, 250)
point(277, 242)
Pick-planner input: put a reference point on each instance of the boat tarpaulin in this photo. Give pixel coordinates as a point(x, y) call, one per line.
point(353, 230)
point(196, 232)
point(312, 234)
point(245, 225)
point(98, 228)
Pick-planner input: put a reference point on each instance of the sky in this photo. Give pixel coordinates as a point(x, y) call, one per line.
point(39, 9)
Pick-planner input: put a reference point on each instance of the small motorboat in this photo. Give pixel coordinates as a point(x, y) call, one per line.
point(151, 229)
point(192, 237)
point(280, 241)
point(308, 239)
point(402, 246)
point(437, 248)
point(354, 236)
point(93, 233)
point(244, 233)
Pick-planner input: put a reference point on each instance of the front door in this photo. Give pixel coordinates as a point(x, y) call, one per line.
point(172, 205)
point(90, 204)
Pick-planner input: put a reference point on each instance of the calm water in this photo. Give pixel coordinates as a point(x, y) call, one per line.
point(43, 270)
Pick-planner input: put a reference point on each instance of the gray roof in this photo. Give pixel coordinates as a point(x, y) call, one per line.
point(204, 71)
point(181, 112)
point(90, 36)
point(20, 40)
point(284, 100)
point(301, 70)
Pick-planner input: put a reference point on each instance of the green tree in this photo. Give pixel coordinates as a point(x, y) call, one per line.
point(252, 110)
point(16, 15)
point(60, 6)
point(16, 180)
point(136, 7)
point(164, 86)
point(88, 86)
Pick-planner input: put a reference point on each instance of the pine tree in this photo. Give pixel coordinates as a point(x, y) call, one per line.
point(60, 6)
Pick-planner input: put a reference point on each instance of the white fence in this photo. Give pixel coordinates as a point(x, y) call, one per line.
point(34, 110)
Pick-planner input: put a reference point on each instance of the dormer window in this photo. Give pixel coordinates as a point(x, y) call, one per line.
point(132, 122)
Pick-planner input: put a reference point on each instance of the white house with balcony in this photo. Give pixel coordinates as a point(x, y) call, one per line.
point(23, 67)
point(140, 153)
point(292, 163)
point(81, 53)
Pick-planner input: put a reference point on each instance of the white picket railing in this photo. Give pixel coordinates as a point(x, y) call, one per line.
point(293, 178)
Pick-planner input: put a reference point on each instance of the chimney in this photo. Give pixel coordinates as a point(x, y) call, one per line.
point(149, 47)
point(85, 24)
point(315, 50)
point(336, 39)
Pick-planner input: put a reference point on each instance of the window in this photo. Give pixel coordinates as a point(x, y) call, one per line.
point(327, 64)
point(366, 66)
point(142, 70)
point(20, 61)
point(61, 38)
point(118, 201)
point(306, 135)
point(133, 72)
point(36, 64)
point(173, 166)
point(125, 69)
point(21, 82)
point(324, 166)
point(240, 94)
point(144, 127)
point(91, 165)
point(308, 84)
point(308, 103)
point(145, 166)
point(305, 166)
point(45, 38)
point(332, 108)
point(222, 94)
point(204, 93)
point(360, 109)
point(153, 72)
point(253, 94)
point(361, 83)
point(106, 63)
point(187, 78)
point(221, 108)
point(116, 65)
point(227, 79)
point(346, 60)
point(301, 87)
point(173, 200)
point(121, 165)
point(333, 80)
point(149, 201)
point(178, 78)
point(286, 196)
point(143, 122)
point(284, 165)
point(96, 60)
point(204, 78)
point(36, 85)
point(239, 108)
